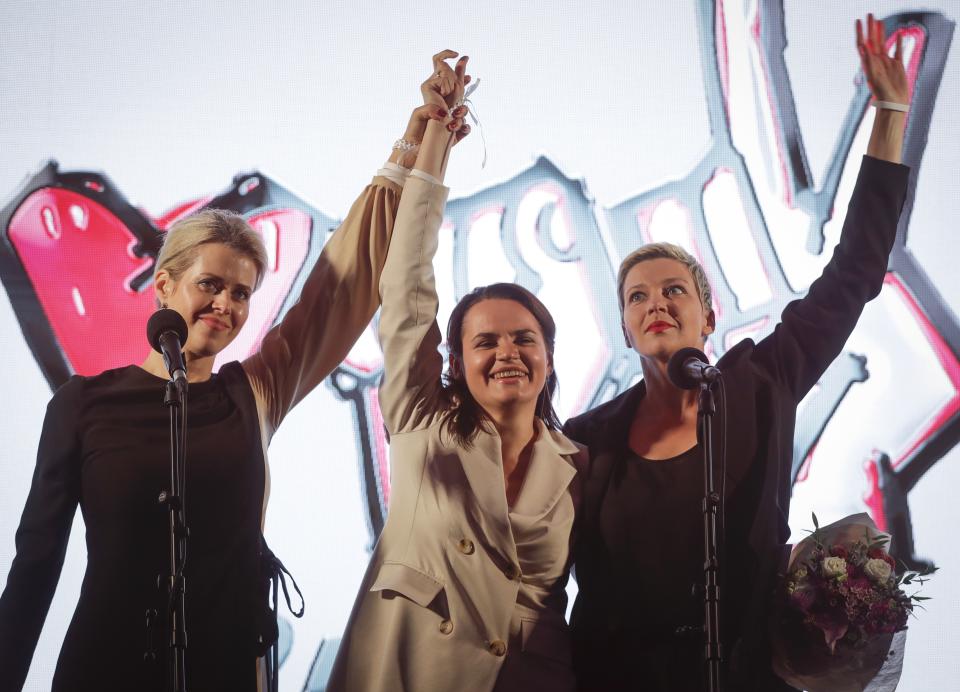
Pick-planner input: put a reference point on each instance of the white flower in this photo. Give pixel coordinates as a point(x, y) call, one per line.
point(878, 570)
point(834, 567)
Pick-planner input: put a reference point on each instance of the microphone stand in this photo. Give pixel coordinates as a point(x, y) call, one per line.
point(176, 402)
point(713, 654)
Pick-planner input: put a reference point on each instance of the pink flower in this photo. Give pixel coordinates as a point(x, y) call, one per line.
point(834, 627)
point(859, 584)
point(803, 599)
point(839, 551)
point(880, 554)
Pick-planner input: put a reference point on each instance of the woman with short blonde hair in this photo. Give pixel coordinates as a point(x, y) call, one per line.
point(638, 620)
point(105, 447)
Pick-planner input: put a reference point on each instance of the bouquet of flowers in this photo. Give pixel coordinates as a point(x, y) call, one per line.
point(841, 619)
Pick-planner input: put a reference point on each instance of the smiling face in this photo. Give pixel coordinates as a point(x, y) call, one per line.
point(505, 360)
point(212, 295)
point(662, 312)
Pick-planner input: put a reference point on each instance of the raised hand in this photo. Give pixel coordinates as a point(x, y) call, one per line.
point(444, 87)
point(454, 98)
point(413, 135)
point(885, 75)
point(442, 92)
point(460, 128)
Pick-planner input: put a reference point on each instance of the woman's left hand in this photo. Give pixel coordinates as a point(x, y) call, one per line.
point(885, 75)
point(441, 93)
point(445, 86)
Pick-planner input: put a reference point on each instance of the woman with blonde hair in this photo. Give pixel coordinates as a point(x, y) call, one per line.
point(105, 446)
point(638, 622)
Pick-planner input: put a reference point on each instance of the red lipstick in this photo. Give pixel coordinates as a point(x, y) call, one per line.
point(659, 326)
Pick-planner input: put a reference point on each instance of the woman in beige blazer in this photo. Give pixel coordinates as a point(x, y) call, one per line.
point(465, 589)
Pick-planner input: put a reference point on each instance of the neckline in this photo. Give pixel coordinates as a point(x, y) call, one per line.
point(147, 375)
point(682, 455)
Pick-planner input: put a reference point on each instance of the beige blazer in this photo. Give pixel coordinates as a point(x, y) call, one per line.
point(448, 601)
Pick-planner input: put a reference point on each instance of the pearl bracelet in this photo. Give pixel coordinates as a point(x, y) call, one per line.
point(891, 106)
point(403, 145)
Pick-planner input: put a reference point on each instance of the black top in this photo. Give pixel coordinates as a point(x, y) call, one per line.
point(105, 446)
point(763, 384)
point(652, 523)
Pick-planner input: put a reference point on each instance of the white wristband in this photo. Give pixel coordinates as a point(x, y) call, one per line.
point(891, 106)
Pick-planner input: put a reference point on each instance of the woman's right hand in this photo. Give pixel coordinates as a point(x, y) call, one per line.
point(887, 80)
point(885, 75)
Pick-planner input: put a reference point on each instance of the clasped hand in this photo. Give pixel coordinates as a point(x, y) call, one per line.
point(442, 95)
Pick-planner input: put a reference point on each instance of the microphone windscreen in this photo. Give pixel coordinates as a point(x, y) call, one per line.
point(675, 369)
point(165, 320)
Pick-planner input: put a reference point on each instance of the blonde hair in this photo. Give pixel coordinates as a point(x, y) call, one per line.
point(185, 237)
point(653, 251)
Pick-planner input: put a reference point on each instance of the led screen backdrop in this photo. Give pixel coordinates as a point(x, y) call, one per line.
point(732, 128)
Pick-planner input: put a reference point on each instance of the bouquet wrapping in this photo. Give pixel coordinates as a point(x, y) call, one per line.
point(841, 616)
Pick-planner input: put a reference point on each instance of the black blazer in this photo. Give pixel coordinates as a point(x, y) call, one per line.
point(764, 382)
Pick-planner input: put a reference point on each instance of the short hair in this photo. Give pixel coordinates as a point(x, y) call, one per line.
point(466, 417)
point(653, 251)
point(185, 237)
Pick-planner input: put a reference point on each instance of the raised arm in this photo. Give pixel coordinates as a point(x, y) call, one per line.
point(340, 296)
point(813, 330)
point(41, 537)
point(411, 395)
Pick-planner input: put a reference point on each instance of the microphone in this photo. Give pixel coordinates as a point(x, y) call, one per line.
point(688, 368)
point(166, 332)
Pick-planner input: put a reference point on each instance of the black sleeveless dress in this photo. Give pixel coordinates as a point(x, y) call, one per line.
point(105, 446)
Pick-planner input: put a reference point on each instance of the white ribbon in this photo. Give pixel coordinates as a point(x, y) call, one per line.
point(472, 112)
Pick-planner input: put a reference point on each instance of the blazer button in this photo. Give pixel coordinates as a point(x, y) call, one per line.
point(446, 627)
point(497, 647)
point(465, 546)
